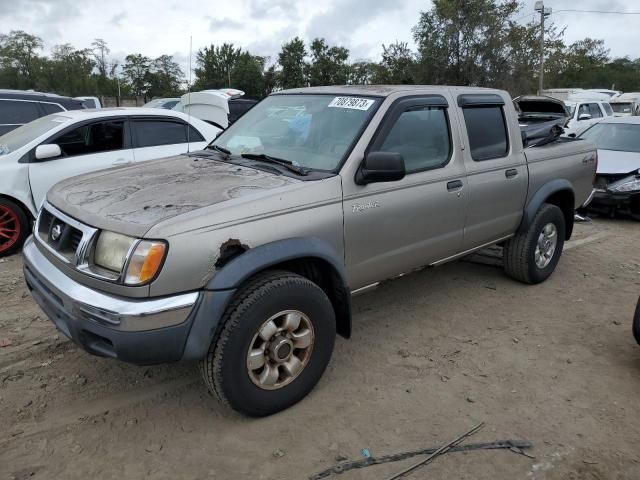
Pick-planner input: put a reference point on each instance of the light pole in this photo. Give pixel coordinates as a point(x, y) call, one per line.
point(544, 12)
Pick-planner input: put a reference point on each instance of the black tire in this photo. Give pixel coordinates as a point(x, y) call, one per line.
point(519, 251)
point(224, 369)
point(636, 323)
point(10, 211)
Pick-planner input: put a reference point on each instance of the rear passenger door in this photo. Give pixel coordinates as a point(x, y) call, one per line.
point(496, 170)
point(395, 227)
point(163, 137)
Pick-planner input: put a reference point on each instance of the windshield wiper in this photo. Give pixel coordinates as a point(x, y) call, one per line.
point(288, 164)
point(219, 149)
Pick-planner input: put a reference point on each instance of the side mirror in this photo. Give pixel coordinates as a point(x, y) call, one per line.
point(48, 151)
point(584, 116)
point(381, 167)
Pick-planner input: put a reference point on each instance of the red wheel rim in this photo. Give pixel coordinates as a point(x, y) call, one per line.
point(9, 228)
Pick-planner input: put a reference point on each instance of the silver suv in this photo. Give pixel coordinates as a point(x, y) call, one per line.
point(244, 256)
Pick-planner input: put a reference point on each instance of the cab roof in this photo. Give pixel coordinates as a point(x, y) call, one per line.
point(382, 90)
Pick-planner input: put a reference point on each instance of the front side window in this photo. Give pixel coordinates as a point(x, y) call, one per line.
point(607, 109)
point(583, 110)
point(50, 108)
point(487, 131)
point(92, 138)
point(421, 136)
point(151, 133)
point(595, 111)
point(312, 131)
point(13, 112)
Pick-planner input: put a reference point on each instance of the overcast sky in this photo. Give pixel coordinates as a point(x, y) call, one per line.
point(261, 26)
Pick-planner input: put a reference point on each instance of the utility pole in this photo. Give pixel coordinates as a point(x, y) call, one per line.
point(544, 12)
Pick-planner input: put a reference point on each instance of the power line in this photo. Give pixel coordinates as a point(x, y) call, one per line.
point(599, 11)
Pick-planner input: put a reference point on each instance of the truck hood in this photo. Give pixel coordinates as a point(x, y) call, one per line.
point(613, 162)
point(131, 200)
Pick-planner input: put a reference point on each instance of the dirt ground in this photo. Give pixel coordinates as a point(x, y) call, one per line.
point(432, 355)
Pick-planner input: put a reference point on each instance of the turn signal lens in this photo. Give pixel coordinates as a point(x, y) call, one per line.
point(145, 262)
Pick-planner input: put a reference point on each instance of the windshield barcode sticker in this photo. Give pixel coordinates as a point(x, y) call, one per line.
point(353, 103)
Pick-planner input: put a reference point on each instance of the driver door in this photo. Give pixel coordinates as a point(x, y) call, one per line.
point(85, 148)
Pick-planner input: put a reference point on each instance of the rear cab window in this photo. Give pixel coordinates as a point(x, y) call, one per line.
point(486, 126)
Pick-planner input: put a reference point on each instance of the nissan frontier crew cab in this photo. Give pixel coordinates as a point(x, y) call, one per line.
point(244, 256)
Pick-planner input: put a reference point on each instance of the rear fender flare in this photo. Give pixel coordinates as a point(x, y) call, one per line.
point(541, 197)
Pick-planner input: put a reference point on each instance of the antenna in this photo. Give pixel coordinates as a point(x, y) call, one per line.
point(189, 97)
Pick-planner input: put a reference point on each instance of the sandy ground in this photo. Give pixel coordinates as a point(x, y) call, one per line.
point(432, 355)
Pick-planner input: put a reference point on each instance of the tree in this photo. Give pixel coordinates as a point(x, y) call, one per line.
point(397, 65)
point(19, 60)
point(362, 73)
point(100, 51)
point(247, 75)
point(291, 60)
point(165, 77)
point(136, 70)
point(67, 71)
point(215, 64)
point(328, 64)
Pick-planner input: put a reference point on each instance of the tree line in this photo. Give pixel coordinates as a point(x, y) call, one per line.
point(458, 42)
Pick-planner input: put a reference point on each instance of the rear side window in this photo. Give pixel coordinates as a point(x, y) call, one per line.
point(487, 130)
point(421, 136)
point(50, 108)
point(13, 112)
point(594, 110)
point(93, 138)
point(151, 133)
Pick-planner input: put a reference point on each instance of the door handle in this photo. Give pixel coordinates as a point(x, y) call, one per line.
point(454, 185)
point(511, 173)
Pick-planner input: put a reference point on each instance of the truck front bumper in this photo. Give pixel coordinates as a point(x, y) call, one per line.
point(136, 331)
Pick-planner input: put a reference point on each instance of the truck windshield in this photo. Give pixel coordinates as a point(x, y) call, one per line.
point(311, 131)
point(623, 137)
point(15, 139)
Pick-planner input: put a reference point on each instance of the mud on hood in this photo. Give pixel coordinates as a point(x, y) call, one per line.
point(131, 200)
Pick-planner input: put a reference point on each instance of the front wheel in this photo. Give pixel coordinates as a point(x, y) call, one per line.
point(14, 227)
point(531, 256)
point(276, 342)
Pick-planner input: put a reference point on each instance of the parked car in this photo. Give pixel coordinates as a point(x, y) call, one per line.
point(18, 107)
point(244, 256)
point(219, 107)
point(585, 113)
point(626, 105)
point(618, 177)
point(52, 148)
point(90, 102)
point(238, 107)
point(166, 103)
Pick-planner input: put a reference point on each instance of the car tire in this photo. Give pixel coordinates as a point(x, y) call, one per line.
point(258, 326)
point(531, 256)
point(14, 227)
point(636, 323)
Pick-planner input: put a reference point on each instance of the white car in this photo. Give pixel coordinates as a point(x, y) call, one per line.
point(585, 113)
point(41, 153)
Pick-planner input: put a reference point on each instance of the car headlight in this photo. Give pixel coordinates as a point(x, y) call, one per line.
point(141, 258)
point(628, 186)
point(111, 250)
point(145, 262)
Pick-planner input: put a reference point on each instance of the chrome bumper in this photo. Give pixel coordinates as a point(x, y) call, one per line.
point(115, 312)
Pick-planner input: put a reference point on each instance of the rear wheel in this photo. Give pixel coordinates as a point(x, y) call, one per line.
point(14, 227)
point(276, 342)
point(532, 256)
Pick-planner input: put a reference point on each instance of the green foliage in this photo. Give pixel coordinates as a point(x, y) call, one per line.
point(328, 65)
point(215, 64)
point(292, 64)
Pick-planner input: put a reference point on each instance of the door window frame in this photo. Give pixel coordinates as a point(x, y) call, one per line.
point(153, 118)
point(400, 106)
point(126, 139)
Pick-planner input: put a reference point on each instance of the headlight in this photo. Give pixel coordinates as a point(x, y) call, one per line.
point(145, 262)
point(111, 250)
point(628, 186)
